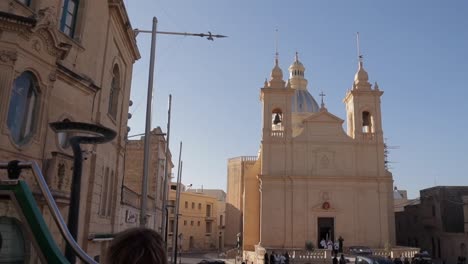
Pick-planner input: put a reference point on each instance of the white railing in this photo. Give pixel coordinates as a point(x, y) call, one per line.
point(244, 159)
point(277, 133)
point(406, 252)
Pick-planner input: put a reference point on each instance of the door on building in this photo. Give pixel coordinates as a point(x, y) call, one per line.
point(191, 242)
point(325, 229)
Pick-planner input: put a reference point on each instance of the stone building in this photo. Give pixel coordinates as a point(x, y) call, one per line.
point(199, 220)
point(67, 60)
point(312, 179)
point(133, 177)
point(438, 224)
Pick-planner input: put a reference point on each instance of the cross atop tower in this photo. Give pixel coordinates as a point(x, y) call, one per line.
point(322, 105)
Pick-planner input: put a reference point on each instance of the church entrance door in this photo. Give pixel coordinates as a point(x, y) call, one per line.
point(325, 229)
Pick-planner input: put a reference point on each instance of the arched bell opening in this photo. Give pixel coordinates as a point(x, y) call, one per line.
point(367, 122)
point(277, 120)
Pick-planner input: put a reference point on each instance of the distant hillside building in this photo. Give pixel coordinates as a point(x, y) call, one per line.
point(439, 224)
point(311, 179)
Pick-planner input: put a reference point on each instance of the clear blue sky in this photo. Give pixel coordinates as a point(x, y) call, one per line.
point(416, 50)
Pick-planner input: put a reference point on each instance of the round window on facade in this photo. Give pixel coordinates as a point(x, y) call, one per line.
point(23, 108)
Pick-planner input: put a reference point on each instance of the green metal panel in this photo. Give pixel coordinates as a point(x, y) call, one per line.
point(36, 222)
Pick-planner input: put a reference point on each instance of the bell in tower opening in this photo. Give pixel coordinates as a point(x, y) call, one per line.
point(277, 120)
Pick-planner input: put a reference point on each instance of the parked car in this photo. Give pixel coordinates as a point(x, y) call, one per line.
point(422, 258)
point(369, 259)
point(211, 261)
point(360, 251)
point(357, 251)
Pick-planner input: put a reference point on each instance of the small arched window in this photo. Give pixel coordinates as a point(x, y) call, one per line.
point(22, 112)
point(114, 93)
point(366, 122)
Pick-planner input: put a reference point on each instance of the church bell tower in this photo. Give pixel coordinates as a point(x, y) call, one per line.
point(364, 120)
point(276, 115)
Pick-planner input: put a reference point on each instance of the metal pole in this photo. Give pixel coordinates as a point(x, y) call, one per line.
point(176, 213)
point(166, 176)
point(148, 126)
point(177, 217)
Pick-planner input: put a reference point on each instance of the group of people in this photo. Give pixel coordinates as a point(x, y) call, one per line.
point(276, 258)
point(336, 246)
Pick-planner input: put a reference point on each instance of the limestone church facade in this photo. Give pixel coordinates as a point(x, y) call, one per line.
point(312, 179)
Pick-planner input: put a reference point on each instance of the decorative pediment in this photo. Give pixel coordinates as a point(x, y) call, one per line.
point(323, 117)
point(46, 30)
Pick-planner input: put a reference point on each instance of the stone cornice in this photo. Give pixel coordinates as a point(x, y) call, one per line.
point(119, 7)
point(83, 80)
point(20, 20)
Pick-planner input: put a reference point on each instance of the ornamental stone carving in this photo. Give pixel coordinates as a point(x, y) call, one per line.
point(47, 17)
point(8, 57)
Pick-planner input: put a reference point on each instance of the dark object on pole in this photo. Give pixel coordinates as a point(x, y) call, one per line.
point(96, 135)
point(14, 170)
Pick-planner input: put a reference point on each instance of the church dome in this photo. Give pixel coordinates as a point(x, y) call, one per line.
point(304, 102)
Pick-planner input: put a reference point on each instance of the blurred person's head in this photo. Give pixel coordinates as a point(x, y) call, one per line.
point(137, 246)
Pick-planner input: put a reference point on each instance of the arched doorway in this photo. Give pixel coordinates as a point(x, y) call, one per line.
point(12, 242)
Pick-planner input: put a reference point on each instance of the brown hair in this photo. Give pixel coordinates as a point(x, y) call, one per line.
point(137, 246)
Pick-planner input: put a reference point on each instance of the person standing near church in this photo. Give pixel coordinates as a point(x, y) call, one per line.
point(330, 245)
point(342, 259)
point(335, 260)
point(340, 242)
point(272, 257)
point(323, 244)
point(265, 258)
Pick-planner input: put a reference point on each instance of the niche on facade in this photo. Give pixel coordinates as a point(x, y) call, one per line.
point(59, 173)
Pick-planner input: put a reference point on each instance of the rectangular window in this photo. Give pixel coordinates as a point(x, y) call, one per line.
point(208, 227)
point(171, 226)
point(104, 194)
point(185, 222)
point(193, 205)
point(110, 193)
point(186, 205)
point(208, 210)
point(68, 20)
point(199, 206)
point(198, 223)
point(191, 223)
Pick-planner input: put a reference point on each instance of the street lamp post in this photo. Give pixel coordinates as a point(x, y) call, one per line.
point(149, 99)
